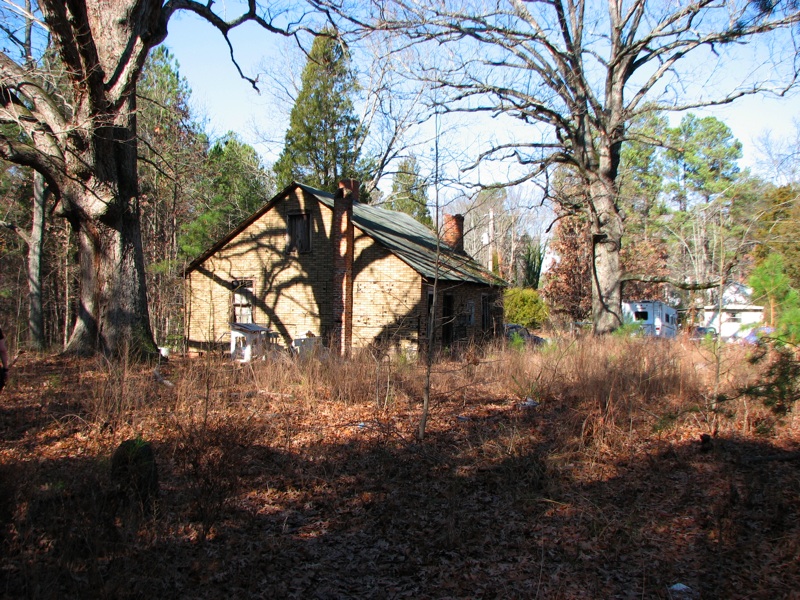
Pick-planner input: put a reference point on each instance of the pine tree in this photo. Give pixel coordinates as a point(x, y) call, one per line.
point(777, 229)
point(172, 150)
point(771, 285)
point(641, 174)
point(238, 185)
point(529, 268)
point(702, 161)
point(409, 192)
point(324, 139)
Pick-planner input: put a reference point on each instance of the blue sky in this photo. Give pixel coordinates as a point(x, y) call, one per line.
point(230, 103)
point(218, 92)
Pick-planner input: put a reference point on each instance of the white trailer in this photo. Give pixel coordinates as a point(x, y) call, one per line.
point(655, 318)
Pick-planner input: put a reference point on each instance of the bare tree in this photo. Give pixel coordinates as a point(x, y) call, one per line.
point(81, 137)
point(573, 74)
point(779, 158)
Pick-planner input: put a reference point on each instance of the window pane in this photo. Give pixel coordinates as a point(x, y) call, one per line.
point(242, 302)
point(244, 314)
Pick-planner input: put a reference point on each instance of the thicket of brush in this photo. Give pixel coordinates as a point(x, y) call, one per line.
point(225, 432)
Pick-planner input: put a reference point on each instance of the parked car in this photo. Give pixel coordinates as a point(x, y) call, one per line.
point(697, 334)
point(513, 330)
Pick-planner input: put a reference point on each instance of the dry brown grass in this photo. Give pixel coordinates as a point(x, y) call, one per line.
point(304, 478)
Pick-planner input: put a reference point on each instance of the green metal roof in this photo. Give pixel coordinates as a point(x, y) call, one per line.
point(412, 242)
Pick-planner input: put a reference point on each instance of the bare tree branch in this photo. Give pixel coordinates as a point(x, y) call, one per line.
point(20, 232)
point(683, 285)
point(578, 72)
point(267, 21)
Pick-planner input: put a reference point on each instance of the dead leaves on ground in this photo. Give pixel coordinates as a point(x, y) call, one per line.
point(267, 495)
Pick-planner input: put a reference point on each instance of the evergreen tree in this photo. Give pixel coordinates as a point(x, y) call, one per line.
point(324, 140)
point(702, 159)
point(777, 228)
point(529, 270)
point(642, 183)
point(172, 151)
point(409, 192)
point(238, 185)
point(641, 173)
point(771, 285)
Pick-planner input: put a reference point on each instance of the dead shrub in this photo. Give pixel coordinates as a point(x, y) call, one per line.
point(116, 391)
point(215, 409)
point(110, 398)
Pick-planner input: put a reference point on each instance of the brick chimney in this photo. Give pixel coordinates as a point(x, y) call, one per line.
point(342, 288)
point(453, 232)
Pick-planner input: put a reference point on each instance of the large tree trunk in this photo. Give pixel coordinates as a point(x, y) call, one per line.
point(81, 136)
point(88, 156)
point(35, 312)
point(112, 315)
point(607, 228)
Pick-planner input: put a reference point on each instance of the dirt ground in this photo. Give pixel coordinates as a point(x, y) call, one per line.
point(265, 496)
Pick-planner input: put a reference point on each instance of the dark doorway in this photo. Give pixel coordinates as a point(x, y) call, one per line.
point(447, 320)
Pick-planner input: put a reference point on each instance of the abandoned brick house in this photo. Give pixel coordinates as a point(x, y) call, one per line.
point(349, 273)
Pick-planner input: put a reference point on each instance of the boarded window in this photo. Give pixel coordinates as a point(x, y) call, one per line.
point(243, 301)
point(299, 233)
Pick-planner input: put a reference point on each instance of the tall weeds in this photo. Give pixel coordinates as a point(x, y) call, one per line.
point(610, 388)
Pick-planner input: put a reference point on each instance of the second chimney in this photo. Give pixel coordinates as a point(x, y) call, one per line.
point(453, 232)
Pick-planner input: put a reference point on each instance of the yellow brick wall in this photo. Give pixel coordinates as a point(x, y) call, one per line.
point(292, 291)
point(387, 297)
point(466, 320)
